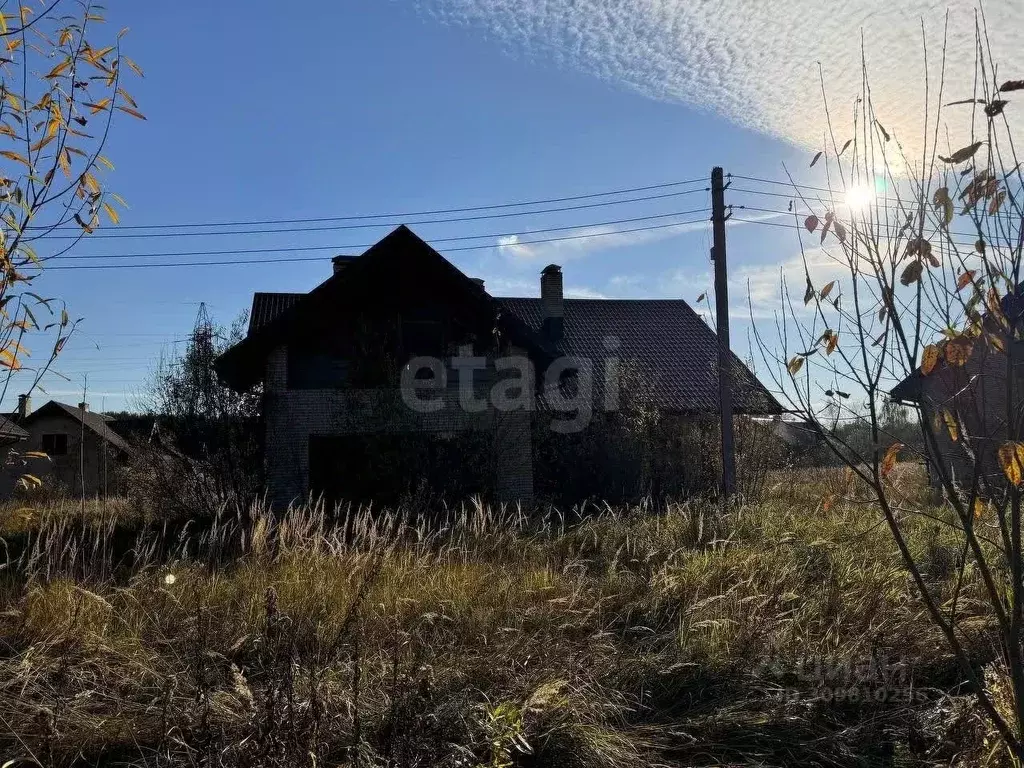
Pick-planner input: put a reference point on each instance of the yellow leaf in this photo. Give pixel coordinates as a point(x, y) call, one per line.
point(979, 508)
point(105, 162)
point(8, 360)
point(59, 69)
point(127, 97)
point(795, 365)
point(828, 289)
point(31, 480)
point(6, 130)
point(99, 106)
point(929, 359)
point(132, 112)
point(889, 461)
point(65, 37)
point(41, 143)
point(1011, 459)
point(13, 44)
point(36, 455)
point(111, 212)
point(3, 23)
point(14, 156)
point(951, 427)
point(134, 67)
point(13, 100)
point(64, 159)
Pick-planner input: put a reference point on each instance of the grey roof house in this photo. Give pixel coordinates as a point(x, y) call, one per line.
point(84, 452)
point(349, 362)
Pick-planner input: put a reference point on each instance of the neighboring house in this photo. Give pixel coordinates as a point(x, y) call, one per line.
point(10, 433)
point(973, 397)
point(342, 369)
point(84, 452)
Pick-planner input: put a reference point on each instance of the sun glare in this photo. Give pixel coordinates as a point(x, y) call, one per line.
point(859, 197)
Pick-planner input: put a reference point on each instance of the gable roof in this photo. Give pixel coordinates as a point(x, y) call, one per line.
point(277, 316)
point(663, 337)
point(95, 422)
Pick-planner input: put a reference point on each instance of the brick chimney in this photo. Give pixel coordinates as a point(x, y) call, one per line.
point(83, 407)
point(551, 302)
point(24, 406)
point(478, 280)
point(340, 262)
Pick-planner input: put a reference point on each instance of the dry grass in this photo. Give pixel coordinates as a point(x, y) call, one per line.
point(486, 638)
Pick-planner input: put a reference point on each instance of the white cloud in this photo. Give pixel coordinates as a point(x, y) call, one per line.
point(755, 289)
point(755, 61)
point(582, 292)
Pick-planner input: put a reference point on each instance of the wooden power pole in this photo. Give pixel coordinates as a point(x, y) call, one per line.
point(718, 218)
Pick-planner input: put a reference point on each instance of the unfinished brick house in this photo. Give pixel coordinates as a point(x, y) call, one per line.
point(344, 381)
point(974, 395)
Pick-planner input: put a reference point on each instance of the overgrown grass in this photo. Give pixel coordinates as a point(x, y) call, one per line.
point(775, 634)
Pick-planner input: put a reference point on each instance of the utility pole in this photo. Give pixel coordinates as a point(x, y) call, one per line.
point(718, 217)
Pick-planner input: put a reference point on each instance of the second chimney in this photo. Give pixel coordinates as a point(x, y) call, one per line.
point(551, 302)
point(24, 406)
point(83, 407)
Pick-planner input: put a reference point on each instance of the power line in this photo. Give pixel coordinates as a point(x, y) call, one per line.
point(363, 246)
point(434, 212)
point(798, 226)
point(234, 262)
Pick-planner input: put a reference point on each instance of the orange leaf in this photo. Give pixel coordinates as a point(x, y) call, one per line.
point(958, 351)
point(965, 279)
point(889, 461)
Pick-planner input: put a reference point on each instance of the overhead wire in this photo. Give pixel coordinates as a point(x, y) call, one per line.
point(363, 246)
point(297, 259)
point(433, 212)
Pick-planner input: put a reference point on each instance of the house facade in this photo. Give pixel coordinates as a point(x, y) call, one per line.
point(83, 451)
point(398, 346)
point(967, 407)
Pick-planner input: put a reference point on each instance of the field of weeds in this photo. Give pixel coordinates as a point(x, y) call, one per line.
point(778, 633)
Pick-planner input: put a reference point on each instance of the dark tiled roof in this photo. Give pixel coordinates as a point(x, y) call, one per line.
point(96, 422)
point(267, 306)
point(665, 338)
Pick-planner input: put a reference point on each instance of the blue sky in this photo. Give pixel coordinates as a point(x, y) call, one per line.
point(365, 106)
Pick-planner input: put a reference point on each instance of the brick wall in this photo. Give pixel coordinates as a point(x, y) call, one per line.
point(292, 416)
